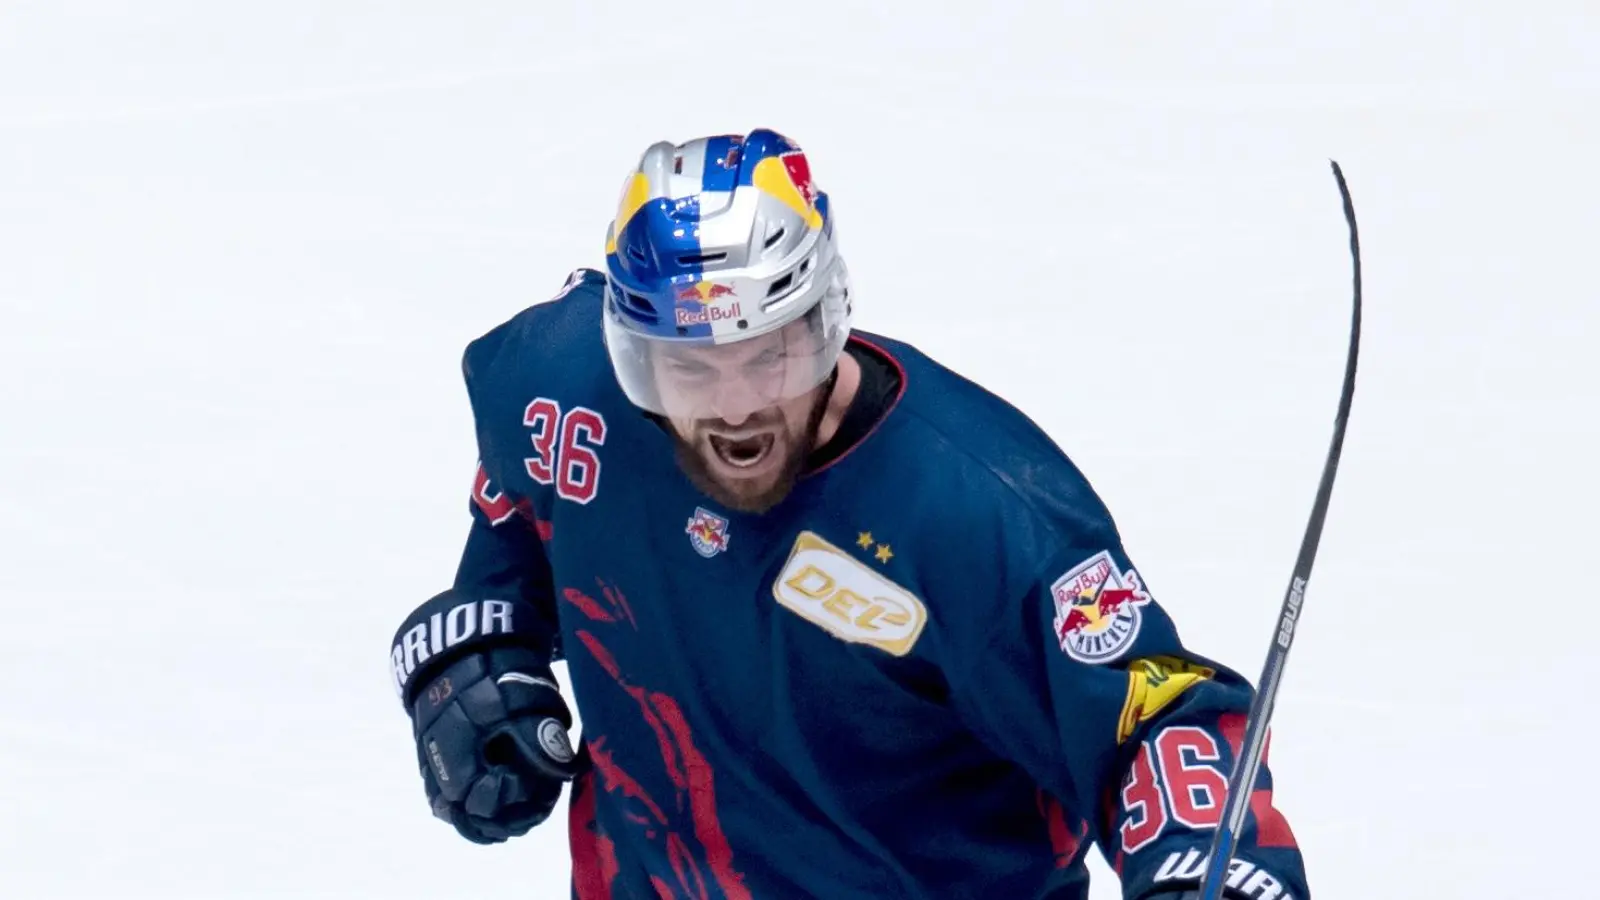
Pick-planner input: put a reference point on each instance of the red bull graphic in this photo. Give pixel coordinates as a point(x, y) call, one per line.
point(704, 292)
point(1097, 609)
point(709, 314)
point(787, 178)
point(708, 532)
point(705, 302)
point(800, 174)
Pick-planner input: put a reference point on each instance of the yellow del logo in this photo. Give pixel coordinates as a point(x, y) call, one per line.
point(831, 589)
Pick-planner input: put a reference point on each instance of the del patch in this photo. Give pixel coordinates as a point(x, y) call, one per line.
point(833, 590)
point(1097, 609)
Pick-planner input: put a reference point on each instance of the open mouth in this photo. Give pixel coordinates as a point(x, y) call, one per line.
point(742, 453)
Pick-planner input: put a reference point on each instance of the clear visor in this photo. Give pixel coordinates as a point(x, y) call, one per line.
point(696, 379)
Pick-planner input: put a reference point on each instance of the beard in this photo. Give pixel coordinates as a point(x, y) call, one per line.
point(753, 495)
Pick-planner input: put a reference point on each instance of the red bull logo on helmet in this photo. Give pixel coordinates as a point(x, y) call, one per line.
point(704, 292)
point(706, 302)
point(708, 314)
point(1097, 609)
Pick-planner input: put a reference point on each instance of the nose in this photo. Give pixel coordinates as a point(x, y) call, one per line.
point(735, 400)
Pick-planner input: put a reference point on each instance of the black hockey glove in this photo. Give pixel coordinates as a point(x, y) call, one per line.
point(492, 743)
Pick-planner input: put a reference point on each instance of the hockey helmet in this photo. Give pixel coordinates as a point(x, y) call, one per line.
point(725, 292)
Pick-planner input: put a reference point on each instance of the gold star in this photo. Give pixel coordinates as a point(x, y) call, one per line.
point(864, 540)
point(884, 553)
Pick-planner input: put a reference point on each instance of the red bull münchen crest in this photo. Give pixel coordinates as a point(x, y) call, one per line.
point(1097, 609)
point(708, 532)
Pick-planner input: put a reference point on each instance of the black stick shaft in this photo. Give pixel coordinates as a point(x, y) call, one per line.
point(1248, 765)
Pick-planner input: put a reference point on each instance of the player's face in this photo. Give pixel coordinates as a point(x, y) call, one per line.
point(745, 414)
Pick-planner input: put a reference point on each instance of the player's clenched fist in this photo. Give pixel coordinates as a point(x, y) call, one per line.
point(492, 742)
point(488, 717)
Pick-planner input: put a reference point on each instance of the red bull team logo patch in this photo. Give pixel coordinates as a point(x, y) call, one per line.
point(708, 532)
point(1097, 609)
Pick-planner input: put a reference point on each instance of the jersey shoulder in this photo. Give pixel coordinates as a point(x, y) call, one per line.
point(552, 352)
point(992, 464)
point(559, 337)
point(554, 348)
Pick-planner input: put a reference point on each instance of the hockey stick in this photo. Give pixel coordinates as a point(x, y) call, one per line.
point(1245, 769)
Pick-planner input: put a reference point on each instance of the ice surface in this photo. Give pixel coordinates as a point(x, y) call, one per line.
point(242, 246)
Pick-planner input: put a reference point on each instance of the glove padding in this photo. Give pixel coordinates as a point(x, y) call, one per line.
point(492, 743)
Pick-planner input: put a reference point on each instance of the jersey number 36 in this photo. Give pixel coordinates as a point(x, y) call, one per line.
point(563, 444)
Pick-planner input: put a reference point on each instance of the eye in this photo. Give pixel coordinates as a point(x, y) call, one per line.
point(689, 370)
point(766, 360)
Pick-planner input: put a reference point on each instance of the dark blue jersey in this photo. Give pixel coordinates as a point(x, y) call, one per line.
point(932, 671)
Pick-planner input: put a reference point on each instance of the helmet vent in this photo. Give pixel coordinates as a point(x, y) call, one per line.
point(695, 259)
point(781, 285)
point(774, 238)
point(641, 306)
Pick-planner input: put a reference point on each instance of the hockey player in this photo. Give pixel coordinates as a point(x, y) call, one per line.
point(839, 623)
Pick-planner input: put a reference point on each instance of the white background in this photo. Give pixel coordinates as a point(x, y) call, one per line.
point(242, 246)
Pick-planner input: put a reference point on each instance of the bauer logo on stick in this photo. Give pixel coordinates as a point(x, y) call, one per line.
point(1097, 609)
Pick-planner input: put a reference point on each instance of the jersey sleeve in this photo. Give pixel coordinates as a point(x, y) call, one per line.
point(1089, 689)
point(502, 592)
point(504, 557)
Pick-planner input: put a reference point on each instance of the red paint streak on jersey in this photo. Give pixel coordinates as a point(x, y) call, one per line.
point(601, 654)
point(669, 754)
point(619, 601)
point(703, 802)
point(1272, 829)
point(589, 607)
point(594, 854)
point(1062, 840)
point(616, 779)
point(688, 770)
point(686, 868)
